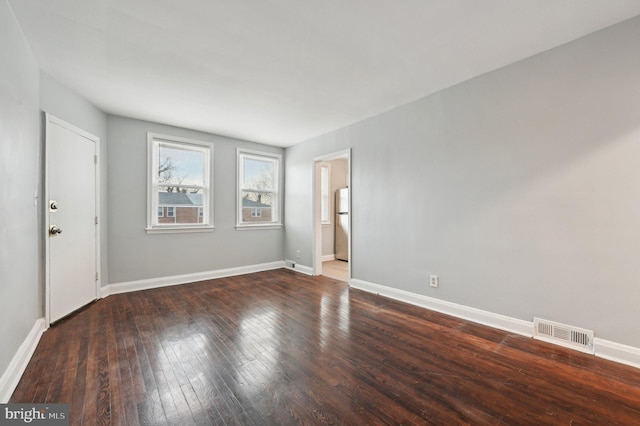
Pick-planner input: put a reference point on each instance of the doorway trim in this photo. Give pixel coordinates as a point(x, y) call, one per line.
point(316, 234)
point(50, 120)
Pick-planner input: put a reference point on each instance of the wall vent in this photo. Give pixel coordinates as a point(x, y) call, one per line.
point(563, 335)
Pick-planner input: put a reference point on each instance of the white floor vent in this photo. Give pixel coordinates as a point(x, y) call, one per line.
point(563, 335)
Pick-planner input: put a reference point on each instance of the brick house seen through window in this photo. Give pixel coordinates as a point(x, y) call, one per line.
point(185, 208)
point(255, 211)
point(179, 207)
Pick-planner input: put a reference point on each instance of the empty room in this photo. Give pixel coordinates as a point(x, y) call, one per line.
point(338, 212)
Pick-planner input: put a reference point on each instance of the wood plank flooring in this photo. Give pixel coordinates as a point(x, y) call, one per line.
point(283, 348)
point(336, 269)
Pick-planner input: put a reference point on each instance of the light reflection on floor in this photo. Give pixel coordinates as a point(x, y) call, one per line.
point(257, 339)
point(253, 347)
point(329, 313)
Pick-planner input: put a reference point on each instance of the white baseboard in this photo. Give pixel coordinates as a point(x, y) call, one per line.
point(18, 364)
point(606, 349)
point(126, 287)
point(296, 267)
point(328, 257)
point(617, 352)
point(513, 325)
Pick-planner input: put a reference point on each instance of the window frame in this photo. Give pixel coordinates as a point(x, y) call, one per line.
point(154, 140)
point(325, 202)
point(276, 216)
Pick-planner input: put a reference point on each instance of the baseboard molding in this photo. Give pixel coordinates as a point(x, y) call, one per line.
point(328, 257)
point(513, 325)
point(617, 352)
point(606, 349)
point(18, 364)
point(126, 287)
point(296, 267)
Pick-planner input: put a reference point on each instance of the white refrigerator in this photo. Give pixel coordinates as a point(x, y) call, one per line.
point(342, 225)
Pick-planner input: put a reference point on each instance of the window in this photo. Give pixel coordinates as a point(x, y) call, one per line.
point(259, 200)
point(325, 176)
point(179, 184)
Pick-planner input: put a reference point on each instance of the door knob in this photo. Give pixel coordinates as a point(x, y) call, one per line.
point(54, 230)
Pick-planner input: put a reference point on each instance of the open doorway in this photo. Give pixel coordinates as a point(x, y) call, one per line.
point(332, 215)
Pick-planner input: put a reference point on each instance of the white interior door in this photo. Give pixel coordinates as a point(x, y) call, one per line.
point(72, 247)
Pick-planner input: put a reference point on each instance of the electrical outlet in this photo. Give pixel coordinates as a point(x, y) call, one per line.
point(298, 254)
point(434, 281)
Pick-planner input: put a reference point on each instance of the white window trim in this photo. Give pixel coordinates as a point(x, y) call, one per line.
point(153, 227)
point(277, 207)
point(328, 167)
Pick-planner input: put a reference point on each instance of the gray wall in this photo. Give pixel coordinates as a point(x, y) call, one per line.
point(67, 105)
point(20, 290)
point(519, 188)
point(135, 255)
point(339, 170)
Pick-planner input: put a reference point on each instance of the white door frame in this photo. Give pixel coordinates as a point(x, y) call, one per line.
point(316, 235)
point(49, 121)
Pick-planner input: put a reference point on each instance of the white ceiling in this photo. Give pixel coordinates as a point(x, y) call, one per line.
point(283, 71)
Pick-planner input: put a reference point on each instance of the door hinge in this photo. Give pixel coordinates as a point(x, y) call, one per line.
point(96, 276)
point(96, 220)
point(95, 159)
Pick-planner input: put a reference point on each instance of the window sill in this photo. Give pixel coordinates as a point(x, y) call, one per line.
point(179, 229)
point(252, 227)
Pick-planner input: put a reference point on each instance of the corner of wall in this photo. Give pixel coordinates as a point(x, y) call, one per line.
point(11, 376)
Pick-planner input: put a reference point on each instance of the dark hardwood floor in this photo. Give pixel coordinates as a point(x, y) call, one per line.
point(282, 348)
